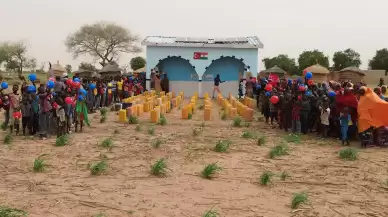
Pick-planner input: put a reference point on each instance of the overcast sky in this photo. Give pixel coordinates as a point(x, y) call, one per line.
point(284, 26)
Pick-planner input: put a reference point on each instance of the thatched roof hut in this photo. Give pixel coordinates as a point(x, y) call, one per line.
point(110, 70)
point(352, 73)
point(86, 73)
point(319, 72)
point(57, 70)
point(275, 70)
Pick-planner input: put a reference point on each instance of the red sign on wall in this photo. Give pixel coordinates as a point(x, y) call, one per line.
point(200, 55)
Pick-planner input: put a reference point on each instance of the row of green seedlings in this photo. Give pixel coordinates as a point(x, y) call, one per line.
point(347, 153)
point(237, 121)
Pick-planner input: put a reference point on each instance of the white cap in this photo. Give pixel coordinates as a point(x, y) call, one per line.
point(64, 74)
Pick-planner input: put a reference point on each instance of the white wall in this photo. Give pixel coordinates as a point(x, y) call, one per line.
point(154, 54)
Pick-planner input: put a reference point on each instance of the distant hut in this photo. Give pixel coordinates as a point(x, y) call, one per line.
point(275, 70)
point(319, 72)
point(110, 70)
point(86, 73)
point(57, 70)
point(352, 73)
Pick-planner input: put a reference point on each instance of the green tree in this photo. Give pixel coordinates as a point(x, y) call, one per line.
point(87, 66)
point(282, 61)
point(137, 63)
point(68, 68)
point(346, 58)
point(3, 53)
point(309, 58)
point(103, 41)
point(15, 56)
point(12, 65)
point(380, 60)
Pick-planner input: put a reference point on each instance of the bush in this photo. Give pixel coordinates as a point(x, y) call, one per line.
point(348, 154)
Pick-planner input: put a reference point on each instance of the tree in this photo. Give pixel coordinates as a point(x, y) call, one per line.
point(282, 61)
point(87, 66)
point(103, 41)
point(68, 68)
point(346, 58)
point(137, 63)
point(309, 58)
point(16, 57)
point(380, 60)
point(3, 53)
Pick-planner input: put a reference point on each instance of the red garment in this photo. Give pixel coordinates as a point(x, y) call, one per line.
point(347, 100)
point(296, 111)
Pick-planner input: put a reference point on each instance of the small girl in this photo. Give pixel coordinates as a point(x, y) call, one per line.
point(273, 112)
point(325, 114)
point(345, 121)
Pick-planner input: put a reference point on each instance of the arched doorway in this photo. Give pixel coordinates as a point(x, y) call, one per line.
point(181, 73)
point(230, 70)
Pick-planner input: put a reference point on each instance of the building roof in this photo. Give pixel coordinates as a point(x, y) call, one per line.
point(275, 69)
point(352, 69)
point(58, 67)
point(110, 68)
point(225, 42)
point(317, 69)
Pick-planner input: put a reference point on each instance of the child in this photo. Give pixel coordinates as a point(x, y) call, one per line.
point(325, 114)
point(240, 89)
point(345, 121)
point(26, 113)
point(5, 106)
point(44, 112)
point(304, 114)
point(296, 128)
point(34, 114)
point(14, 99)
point(81, 113)
point(287, 112)
point(273, 112)
point(265, 110)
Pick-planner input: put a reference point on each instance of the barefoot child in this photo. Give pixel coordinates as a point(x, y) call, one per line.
point(345, 121)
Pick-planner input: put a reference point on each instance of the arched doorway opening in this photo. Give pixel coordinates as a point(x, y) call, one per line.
point(230, 70)
point(181, 74)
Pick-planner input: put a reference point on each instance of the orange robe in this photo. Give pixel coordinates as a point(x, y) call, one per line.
point(372, 111)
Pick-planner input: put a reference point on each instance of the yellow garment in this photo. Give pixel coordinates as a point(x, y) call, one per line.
point(120, 85)
point(371, 111)
point(110, 91)
point(110, 85)
point(95, 91)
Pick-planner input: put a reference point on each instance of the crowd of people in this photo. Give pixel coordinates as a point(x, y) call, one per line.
point(62, 103)
point(295, 105)
point(330, 109)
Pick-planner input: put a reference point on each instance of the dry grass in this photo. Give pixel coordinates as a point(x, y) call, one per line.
point(127, 178)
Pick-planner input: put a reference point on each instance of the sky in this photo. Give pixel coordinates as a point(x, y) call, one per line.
point(284, 26)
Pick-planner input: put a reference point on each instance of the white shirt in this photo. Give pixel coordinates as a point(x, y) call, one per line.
point(325, 116)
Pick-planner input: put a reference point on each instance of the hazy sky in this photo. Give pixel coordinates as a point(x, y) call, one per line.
point(284, 26)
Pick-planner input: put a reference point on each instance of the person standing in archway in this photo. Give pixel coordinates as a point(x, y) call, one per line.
point(165, 83)
point(158, 87)
point(217, 81)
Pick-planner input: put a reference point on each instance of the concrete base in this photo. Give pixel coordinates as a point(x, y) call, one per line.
point(225, 88)
point(190, 87)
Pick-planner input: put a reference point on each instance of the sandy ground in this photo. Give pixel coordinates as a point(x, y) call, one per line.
point(335, 187)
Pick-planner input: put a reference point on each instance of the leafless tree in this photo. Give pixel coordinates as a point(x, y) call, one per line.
point(103, 41)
